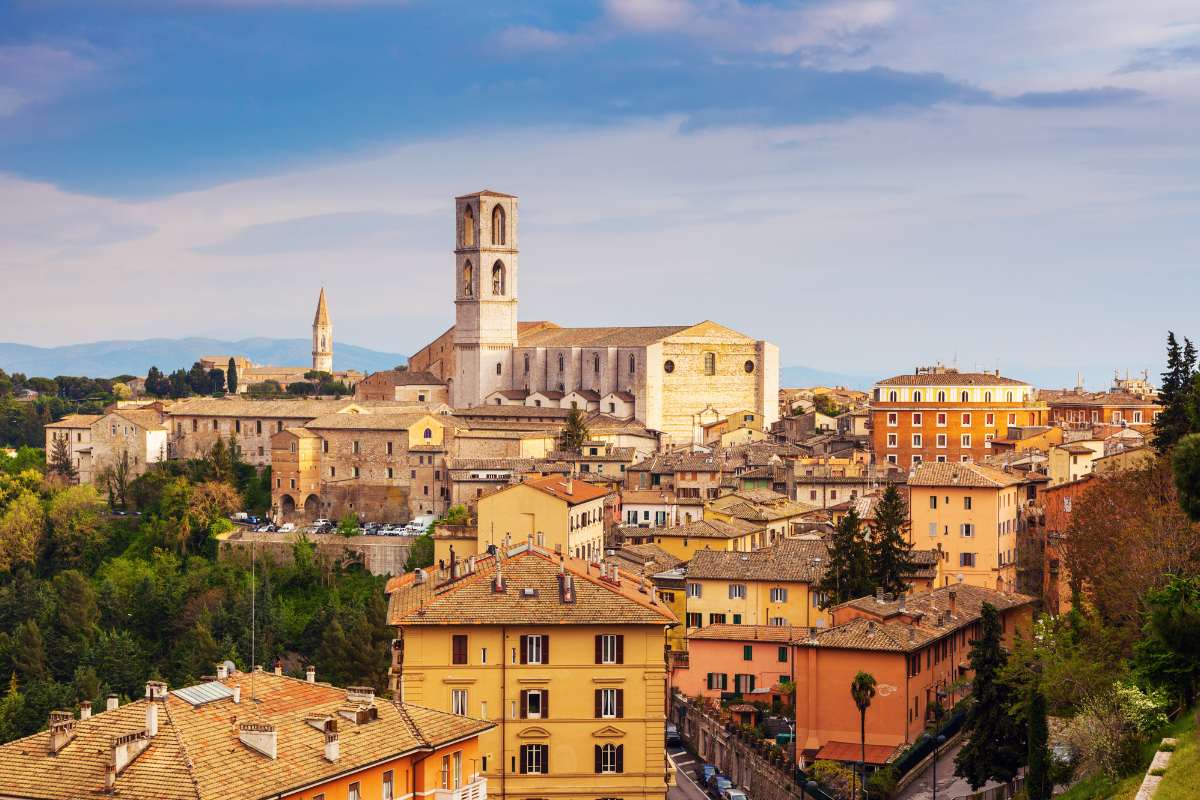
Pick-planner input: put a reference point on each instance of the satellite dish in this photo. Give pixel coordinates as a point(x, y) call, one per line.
point(230, 667)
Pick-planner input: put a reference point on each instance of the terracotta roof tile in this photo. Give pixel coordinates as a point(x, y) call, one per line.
point(951, 379)
point(970, 475)
point(792, 560)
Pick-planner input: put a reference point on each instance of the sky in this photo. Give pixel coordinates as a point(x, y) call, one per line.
point(870, 184)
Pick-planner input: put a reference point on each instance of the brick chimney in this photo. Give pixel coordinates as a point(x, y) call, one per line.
point(953, 597)
point(278, 667)
point(156, 692)
point(222, 671)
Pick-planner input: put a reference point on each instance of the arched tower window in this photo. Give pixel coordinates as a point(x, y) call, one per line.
point(596, 363)
point(468, 279)
point(710, 363)
point(941, 397)
point(527, 363)
point(917, 396)
point(632, 364)
point(322, 342)
point(468, 222)
point(561, 362)
point(498, 230)
point(498, 278)
point(965, 396)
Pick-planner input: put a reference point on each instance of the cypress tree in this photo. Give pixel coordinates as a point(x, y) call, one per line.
point(889, 548)
point(1038, 784)
point(849, 572)
point(60, 461)
point(575, 433)
point(231, 376)
point(1175, 395)
point(996, 746)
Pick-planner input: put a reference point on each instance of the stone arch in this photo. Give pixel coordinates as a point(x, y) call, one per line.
point(287, 505)
point(312, 506)
point(499, 233)
point(468, 221)
point(468, 279)
point(498, 278)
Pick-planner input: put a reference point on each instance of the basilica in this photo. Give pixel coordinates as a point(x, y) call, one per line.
point(672, 378)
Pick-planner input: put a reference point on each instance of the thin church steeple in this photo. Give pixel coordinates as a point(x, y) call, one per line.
point(322, 350)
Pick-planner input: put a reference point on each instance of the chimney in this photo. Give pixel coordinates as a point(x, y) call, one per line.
point(332, 748)
point(259, 737)
point(152, 719)
point(85, 710)
point(278, 667)
point(310, 673)
point(953, 600)
point(616, 574)
point(222, 671)
point(360, 694)
point(111, 703)
point(879, 596)
point(498, 584)
point(237, 694)
point(62, 731)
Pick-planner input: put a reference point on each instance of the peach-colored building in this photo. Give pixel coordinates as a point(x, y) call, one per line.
point(745, 659)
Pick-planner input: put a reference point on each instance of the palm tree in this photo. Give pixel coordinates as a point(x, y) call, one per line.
point(862, 689)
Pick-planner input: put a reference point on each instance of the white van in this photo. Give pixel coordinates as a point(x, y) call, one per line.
point(420, 524)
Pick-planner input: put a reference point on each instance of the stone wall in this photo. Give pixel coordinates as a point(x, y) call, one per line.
point(380, 555)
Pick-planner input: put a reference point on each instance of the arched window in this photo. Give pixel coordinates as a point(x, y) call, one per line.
point(428, 433)
point(498, 231)
point(987, 397)
point(498, 278)
point(632, 364)
point(965, 396)
point(917, 396)
point(710, 363)
point(596, 363)
point(498, 368)
point(527, 363)
point(561, 362)
point(468, 279)
point(322, 342)
point(468, 222)
point(1009, 397)
point(892, 396)
point(941, 397)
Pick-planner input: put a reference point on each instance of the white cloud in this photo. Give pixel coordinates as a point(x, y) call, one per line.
point(528, 37)
point(650, 15)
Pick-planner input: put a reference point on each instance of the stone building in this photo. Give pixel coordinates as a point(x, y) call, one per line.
point(98, 442)
point(402, 386)
point(670, 378)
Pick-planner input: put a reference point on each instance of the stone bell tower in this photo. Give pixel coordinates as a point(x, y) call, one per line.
point(485, 296)
point(322, 349)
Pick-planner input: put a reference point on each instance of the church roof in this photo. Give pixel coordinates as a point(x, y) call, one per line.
point(322, 315)
point(598, 337)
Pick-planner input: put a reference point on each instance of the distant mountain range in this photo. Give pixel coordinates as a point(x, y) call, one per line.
point(126, 357)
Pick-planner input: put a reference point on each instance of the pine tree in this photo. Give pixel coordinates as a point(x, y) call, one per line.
point(1038, 784)
point(996, 748)
point(1175, 394)
point(849, 572)
point(28, 652)
point(231, 376)
point(890, 550)
point(575, 433)
point(60, 460)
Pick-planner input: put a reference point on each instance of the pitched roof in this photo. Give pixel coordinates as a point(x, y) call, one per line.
point(531, 595)
point(197, 754)
point(572, 491)
point(76, 421)
point(950, 378)
point(366, 422)
point(703, 529)
point(968, 474)
point(782, 634)
point(143, 418)
point(793, 560)
point(615, 336)
point(646, 559)
point(239, 407)
point(403, 377)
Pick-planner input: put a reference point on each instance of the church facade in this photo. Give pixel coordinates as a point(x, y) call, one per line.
point(672, 378)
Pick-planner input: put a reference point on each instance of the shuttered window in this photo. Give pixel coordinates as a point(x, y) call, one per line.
point(458, 653)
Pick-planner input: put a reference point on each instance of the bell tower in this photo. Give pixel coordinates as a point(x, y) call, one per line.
point(485, 295)
point(322, 337)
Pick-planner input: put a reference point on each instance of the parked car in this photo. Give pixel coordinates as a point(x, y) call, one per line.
point(287, 527)
point(321, 522)
point(718, 785)
point(733, 794)
point(673, 739)
point(707, 773)
point(240, 516)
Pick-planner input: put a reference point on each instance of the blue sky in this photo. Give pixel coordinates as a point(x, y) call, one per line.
point(869, 183)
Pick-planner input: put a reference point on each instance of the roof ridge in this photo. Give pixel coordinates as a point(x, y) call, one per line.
point(188, 764)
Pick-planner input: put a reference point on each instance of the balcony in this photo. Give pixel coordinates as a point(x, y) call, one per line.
point(476, 790)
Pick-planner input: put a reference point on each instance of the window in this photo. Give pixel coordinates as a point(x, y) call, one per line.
point(917, 396)
point(893, 440)
point(966, 440)
point(1012, 419)
point(535, 703)
point(535, 759)
point(610, 648)
point(716, 619)
point(354, 792)
point(966, 559)
point(783, 654)
point(966, 419)
point(748, 366)
point(458, 702)
point(1137, 417)
point(933, 501)
point(499, 233)
point(354, 472)
point(967, 529)
point(893, 419)
point(941, 440)
point(356, 447)
point(333, 472)
point(535, 649)
point(561, 362)
point(695, 620)
point(891, 458)
point(710, 363)
point(916, 459)
point(610, 758)
point(458, 649)
point(987, 397)
point(389, 786)
point(237, 426)
point(989, 420)
point(941, 396)
point(933, 529)
point(892, 396)
point(916, 440)
point(941, 420)
point(610, 703)
point(967, 502)
point(718, 680)
point(668, 366)
point(428, 434)
point(737, 591)
point(695, 590)
point(468, 231)
point(916, 418)
point(779, 595)
point(324, 445)
point(632, 364)
point(965, 397)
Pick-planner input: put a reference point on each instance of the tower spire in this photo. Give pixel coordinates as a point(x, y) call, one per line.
point(322, 350)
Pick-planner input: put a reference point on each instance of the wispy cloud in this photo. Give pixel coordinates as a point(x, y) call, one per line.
point(35, 73)
point(1080, 98)
point(1158, 59)
point(530, 37)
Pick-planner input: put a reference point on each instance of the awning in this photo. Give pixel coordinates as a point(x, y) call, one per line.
point(853, 751)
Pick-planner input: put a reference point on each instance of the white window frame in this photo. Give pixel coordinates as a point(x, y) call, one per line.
point(608, 648)
point(917, 417)
point(533, 647)
point(893, 419)
point(989, 420)
point(608, 703)
point(695, 590)
point(917, 440)
point(964, 440)
point(608, 759)
point(458, 702)
point(941, 440)
point(942, 419)
point(893, 440)
point(966, 530)
point(737, 591)
point(530, 696)
point(966, 418)
point(779, 594)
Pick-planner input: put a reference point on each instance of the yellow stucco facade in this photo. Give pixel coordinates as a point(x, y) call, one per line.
point(713, 601)
point(559, 514)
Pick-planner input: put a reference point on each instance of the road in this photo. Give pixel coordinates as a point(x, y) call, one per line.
point(948, 785)
point(686, 766)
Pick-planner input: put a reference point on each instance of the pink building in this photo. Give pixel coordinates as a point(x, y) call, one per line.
point(737, 658)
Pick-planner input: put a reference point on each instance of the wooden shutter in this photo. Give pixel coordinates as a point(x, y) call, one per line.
point(599, 753)
point(524, 754)
point(524, 649)
point(620, 648)
point(545, 759)
point(599, 701)
point(524, 703)
point(459, 655)
point(620, 702)
point(620, 758)
point(545, 704)
point(545, 649)
point(599, 648)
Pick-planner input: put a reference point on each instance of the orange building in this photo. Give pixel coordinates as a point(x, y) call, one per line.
point(1060, 500)
point(1075, 408)
point(742, 659)
point(916, 647)
point(245, 737)
point(941, 414)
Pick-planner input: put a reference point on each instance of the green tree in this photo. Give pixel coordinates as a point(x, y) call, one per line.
point(1168, 654)
point(1038, 783)
point(115, 478)
point(889, 549)
point(862, 689)
point(60, 460)
point(74, 621)
point(1174, 395)
point(348, 524)
point(1185, 462)
point(996, 746)
point(28, 652)
point(21, 529)
point(574, 433)
point(848, 574)
point(78, 529)
point(231, 376)
point(420, 553)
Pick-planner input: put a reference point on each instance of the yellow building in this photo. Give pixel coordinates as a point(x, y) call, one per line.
point(969, 512)
point(772, 586)
point(774, 513)
point(566, 657)
point(559, 514)
point(1073, 460)
point(684, 541)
